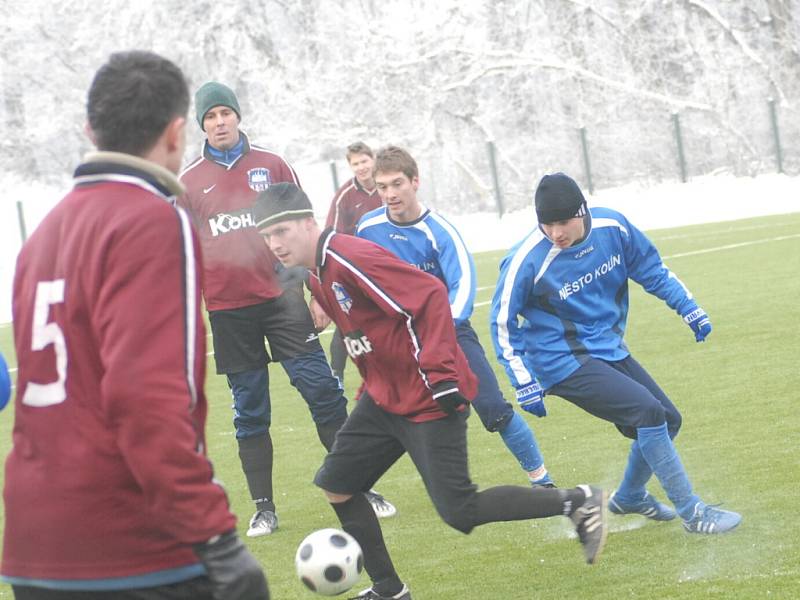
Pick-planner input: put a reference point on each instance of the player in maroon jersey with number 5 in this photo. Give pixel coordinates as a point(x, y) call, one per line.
point(108, 490)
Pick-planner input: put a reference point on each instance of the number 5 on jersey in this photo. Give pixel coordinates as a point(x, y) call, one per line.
point(42, 335)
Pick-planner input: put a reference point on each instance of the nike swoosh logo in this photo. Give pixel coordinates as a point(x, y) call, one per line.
point(206, 190)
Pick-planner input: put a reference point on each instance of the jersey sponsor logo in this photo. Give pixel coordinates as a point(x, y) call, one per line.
point(398, 236)
point(428, 266)
point(342, 297)
point(572, 287)
point(227, 222)
point(584, 252)
point(259, 179)
point(357, 344)
point(208, 189)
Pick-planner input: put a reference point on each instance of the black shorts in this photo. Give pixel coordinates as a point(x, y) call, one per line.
point(371, 440)
point(239, 333)
point(198, 588)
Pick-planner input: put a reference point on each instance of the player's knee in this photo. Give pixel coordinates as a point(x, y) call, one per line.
point(674, 422)
point(247, 427)
point(500, 423)
point(336, 498)
point(651, 415)
point(457, 518)
point(494, 414)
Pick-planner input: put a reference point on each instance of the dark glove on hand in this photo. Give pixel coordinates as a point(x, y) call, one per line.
point(234, 573)
point(450, 401)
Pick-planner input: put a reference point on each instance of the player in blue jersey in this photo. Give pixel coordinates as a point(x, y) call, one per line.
point(558, 318)
point(5, 383)
point(426, 240)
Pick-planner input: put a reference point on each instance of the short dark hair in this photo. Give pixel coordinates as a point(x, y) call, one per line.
point(393, 158)
point(132, 99)
point(359, 148)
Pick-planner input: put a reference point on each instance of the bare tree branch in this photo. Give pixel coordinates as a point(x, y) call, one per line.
point(738, 38)
point(526, 63)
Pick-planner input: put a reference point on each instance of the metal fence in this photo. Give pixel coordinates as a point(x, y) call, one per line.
point(500, 175)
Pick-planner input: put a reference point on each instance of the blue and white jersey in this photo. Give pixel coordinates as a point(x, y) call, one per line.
point(431, 244)
point(554, 308)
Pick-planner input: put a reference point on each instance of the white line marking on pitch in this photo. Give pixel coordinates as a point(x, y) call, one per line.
point(729, 246)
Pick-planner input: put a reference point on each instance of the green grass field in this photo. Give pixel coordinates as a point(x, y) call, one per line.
point(740, 439)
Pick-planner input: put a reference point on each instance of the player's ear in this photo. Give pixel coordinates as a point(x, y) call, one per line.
point(415, 182)
point(175, 134)
point(90, 133)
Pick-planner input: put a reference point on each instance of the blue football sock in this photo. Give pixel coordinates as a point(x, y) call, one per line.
point(659, 452)
point(637, 474)
point(519, 439)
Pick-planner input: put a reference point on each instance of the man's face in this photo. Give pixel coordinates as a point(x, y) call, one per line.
point(565, 233)
point(221, 125)
point(362, 164)
point(291, 242)
point(399, 194)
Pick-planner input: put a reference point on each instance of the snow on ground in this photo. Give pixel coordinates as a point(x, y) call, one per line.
point(701, 200)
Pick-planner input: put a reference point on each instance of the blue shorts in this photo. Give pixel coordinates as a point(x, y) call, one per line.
point(493, 410)
point(621, 392)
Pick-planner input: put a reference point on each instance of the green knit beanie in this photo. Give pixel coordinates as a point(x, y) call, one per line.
point(213, 94)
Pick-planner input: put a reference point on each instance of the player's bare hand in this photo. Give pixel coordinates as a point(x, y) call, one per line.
point(321, 319)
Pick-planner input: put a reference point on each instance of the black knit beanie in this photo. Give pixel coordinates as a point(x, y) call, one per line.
point(558, 198)
point(281, 202)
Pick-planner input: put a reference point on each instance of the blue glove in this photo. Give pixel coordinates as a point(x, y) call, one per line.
point(698, 320)
point(531, 399)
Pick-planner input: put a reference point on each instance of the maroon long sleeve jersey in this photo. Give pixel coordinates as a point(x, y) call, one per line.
point(349, 204)
point(396, 325)
point(108, 475)
point(239, 268)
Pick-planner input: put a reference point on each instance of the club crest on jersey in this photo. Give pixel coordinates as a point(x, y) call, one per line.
point(342, 297)
point(259, 179)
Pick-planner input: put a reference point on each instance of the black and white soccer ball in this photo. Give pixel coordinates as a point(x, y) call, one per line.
point(329, 561)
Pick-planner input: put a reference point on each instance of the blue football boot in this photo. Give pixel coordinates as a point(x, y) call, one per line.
point(647, 506)
point(710, 519)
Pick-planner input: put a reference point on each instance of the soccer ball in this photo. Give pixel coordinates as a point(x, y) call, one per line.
point(329, 561)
